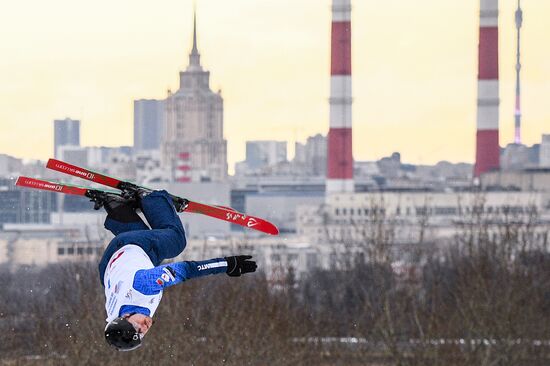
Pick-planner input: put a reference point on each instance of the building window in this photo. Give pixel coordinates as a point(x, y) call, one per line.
point(70, 251)
point(80, 251)
point(421, 211)
point(89, 250)
point(443, 211)
point(60, 251)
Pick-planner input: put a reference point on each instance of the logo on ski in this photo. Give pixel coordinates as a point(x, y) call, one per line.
point(251, 222)
point(43, 185)
point(73, 171)
point(235, 216)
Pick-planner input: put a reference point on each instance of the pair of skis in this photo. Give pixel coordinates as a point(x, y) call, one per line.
point(127, 188)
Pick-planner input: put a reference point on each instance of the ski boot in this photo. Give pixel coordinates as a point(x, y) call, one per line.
point(118, 207)
point(138, 193)
point(180, 204)
point(111, 201)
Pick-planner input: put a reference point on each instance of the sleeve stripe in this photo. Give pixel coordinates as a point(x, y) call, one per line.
point(202, 267)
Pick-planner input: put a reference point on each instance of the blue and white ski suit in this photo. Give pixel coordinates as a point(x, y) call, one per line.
point(130, 267)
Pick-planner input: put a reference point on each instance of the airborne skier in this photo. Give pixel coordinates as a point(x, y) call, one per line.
point(130, 267)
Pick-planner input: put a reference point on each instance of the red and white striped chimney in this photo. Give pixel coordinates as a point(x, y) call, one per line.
point(487, 146)
point(340, 158)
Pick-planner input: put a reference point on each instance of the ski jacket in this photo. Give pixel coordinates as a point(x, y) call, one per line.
point(133, 284)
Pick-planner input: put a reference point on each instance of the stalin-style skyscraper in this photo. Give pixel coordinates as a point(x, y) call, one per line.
point(487, 145)
point(193, 144)
point(340, 158)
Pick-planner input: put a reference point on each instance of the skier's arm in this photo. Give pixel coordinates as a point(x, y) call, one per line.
point(152, 281)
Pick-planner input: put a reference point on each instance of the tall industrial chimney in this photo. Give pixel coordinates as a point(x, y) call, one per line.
point(340, 158)
point(487, 146)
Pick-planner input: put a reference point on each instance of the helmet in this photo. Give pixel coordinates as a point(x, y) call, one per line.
point(122, 335)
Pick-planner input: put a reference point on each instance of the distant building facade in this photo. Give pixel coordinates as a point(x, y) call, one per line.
point(66, 133)
point(9, 165)
point(528, 180)
point(416, 217)
point(544, 159)
point(312, 155)
point(148, 124)
point(262, 153)
point(28, 206)
point(514, 157)
point(38, 245)
point(193, 143)
point(76, 155)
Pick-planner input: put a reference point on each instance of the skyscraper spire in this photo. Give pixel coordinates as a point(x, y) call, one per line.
point(517, 113)
point(194, 56)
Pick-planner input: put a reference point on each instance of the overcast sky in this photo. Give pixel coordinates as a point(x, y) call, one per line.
point(414, 70)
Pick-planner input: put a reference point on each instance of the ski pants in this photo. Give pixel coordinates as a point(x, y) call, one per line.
point(165, 239)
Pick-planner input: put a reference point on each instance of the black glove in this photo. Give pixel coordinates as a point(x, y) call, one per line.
point(240, 264)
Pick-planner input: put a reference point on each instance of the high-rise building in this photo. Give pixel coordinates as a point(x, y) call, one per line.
point(66, 133)
point(193, 143)
point(148, 124)
point(77, 155)
point(264, 153)
point(340, 157)
point(487, 139)
point(312, 155)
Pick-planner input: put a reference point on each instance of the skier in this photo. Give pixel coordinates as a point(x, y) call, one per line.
point(130, 267)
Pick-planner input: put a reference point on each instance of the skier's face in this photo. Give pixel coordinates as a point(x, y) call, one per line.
point(141, 322)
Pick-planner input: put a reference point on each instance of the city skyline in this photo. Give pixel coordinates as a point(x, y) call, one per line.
point(269, 69)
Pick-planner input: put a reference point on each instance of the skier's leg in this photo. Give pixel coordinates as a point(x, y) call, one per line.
point(159, 210)
point(121, 215)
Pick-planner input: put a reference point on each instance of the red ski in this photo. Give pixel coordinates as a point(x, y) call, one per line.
point(218, 212)
point(49, 186)
point(61, 188)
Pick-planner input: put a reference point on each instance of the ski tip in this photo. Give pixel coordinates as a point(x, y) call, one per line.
point(23, 181)
point(272, 230)
point(51, 162)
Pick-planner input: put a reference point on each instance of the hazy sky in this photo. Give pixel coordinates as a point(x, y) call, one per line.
point(414, 70)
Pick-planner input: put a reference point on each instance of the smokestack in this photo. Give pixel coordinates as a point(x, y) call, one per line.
point(340, 159)
point(487, 146)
